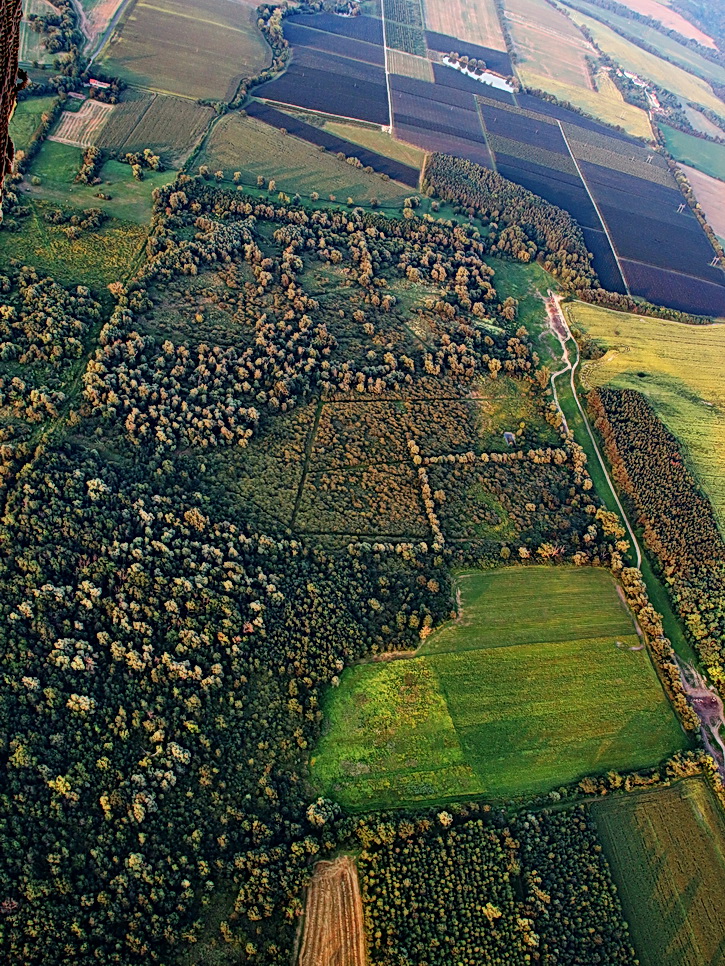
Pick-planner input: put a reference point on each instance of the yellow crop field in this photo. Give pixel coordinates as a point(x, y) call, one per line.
point(666, 848)
point(538, 29)
point(473, 20)
point(380, 141)
point(633, 58)
point(409, 65)
point(680, 370)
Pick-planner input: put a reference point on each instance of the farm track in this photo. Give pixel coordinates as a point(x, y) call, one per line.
point(333, 931)
point(561, 329)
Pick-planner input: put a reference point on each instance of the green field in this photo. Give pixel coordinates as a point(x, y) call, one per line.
point(667, 852)
point(26, 119)
point(130, 200)
point(195, 48)
point(679, 368)
point(96, 259)
point(526, 690)
point(703, 155)
point(254, 148)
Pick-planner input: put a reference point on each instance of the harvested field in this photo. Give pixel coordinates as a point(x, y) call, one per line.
point(503, 701)
point(409, 65)
point(679, 369)
point(123, 119)
point(669, 18)
point(474, 21)
point(710, 192)
point(255, 148)
point(82, 128)
point(536, 26)
point(666, 848)
point(99, 14)
point(171, 127)
point(333, 930)
point(217, 43)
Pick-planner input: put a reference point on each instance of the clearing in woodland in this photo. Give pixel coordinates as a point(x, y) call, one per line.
point(666, 848)
point(475, 21)
point(679, 369)
point(218, 44)
point(333, 927)
point(541, 680)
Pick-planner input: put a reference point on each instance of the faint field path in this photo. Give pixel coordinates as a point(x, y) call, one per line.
point(563, 333)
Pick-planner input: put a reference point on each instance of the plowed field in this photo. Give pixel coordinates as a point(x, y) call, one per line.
point(333, 931)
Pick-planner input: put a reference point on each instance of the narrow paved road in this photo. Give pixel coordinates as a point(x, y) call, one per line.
point(563, 333)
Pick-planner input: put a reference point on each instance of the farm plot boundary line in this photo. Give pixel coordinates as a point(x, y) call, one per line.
point(596, 208)
point(482, 122)
point(391, 117)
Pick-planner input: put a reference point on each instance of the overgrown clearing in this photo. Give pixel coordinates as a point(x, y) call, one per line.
point(217, 43)
point(95, 259)
point(535, 684)
point(256, 149)
point(666, 848)
point(333, 929)
point(704, 155)
point(471, 21)
point(679, 368)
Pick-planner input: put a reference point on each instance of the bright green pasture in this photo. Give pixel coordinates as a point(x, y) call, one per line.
point(26, 119)
point(525, 605)
point(537, 683)
point(704, 155)
point(666, 847)
point(129, 200)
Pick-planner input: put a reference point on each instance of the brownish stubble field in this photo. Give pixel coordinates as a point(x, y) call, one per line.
point(473, 20)
point(195, 48)
point(333, 930)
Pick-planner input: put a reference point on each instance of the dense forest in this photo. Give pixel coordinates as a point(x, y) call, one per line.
point(166, 637)
point(677, 519)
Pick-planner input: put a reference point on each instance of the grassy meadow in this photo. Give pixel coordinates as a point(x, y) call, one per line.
point(666, 848)
point(254, 148)
point(499, 703)
point(57, 165)
point(680, 370)
point(703, 155)
point(26, 119)
point(215, 44)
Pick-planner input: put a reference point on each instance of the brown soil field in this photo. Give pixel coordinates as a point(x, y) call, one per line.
point(537, 29)
point(82, 128)
point(710, 192)
point(670, 18)
point(473, 20)
point(193, 48)
point(409, 65)
point(333, 930)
